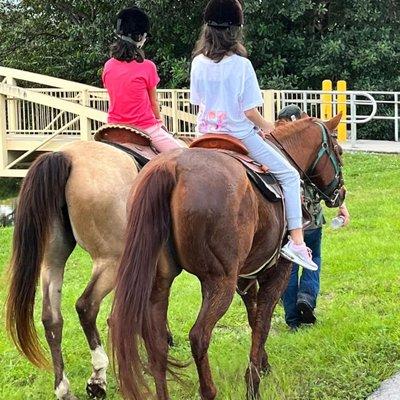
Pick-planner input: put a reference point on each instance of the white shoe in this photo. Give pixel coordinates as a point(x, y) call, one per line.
point(299, 254)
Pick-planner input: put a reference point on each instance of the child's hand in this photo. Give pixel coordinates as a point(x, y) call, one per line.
point(268, 127)
point(262, 133)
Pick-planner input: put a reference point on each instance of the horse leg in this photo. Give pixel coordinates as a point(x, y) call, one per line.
point(87, 307)
point(217, 297)
point(158, 351)
point(272, 284)
point(249, 298)
point(58, 250)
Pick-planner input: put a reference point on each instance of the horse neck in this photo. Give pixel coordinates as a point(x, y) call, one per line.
point(302, 145)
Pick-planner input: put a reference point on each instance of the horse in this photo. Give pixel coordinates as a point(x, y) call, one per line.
point(74, 196)
point(195, 209)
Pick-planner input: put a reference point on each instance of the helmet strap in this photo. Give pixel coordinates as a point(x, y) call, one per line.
point(128, 39)
point(142, 41)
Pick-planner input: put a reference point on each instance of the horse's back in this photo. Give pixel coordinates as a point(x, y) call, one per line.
point(212, 184)
point(96, 194)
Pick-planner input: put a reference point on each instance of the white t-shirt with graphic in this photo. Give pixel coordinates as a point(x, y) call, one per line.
point(224, 91)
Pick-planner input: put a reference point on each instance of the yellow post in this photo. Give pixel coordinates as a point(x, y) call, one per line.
point(326, 100)
point(342, 107)
point(269, 105)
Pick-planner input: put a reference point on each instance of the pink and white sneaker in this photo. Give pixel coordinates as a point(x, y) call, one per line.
point(299, 254)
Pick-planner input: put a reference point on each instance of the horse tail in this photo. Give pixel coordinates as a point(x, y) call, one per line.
point(149, 225)
point(41, 199)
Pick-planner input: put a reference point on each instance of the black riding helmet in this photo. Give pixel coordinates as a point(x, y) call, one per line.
point(223, 14)
point(291, 112)
point(133, 23)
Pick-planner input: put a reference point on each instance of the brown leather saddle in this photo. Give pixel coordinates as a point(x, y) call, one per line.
point(128, 138)
point(231, 146)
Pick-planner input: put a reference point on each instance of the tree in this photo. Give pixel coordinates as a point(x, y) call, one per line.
point(293, 44)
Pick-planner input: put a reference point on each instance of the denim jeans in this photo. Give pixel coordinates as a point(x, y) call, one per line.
point(304, 288)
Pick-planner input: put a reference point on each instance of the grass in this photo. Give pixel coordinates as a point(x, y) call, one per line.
point(353, 347)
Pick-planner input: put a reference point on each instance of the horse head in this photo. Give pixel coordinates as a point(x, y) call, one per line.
point(313, 147)
point(326, 171)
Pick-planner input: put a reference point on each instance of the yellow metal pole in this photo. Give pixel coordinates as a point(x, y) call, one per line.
point(326, 100)
point(269, 105)
point(342, 107)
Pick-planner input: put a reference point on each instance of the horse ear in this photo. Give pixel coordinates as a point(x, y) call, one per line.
point(334, 122)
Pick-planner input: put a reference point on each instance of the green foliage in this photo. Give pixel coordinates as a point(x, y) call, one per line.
point(345, 356)
point(9, 188)
point(293, 44)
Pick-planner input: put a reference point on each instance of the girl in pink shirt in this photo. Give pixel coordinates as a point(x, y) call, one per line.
point(131, 80)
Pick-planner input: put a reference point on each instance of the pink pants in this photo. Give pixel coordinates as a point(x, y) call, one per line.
point(161, 139)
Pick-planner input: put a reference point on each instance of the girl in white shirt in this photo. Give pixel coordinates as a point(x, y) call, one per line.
point(225, 87)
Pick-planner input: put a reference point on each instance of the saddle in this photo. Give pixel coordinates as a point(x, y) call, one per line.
point(257, 173)
point(128, 138)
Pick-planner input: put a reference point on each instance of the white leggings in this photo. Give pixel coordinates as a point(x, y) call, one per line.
point(287, 176)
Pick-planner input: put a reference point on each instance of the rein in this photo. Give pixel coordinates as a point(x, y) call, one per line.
point(330, 193)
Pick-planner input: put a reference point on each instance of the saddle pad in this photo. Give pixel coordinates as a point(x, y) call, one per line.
point(142, 154)
point(266, 184)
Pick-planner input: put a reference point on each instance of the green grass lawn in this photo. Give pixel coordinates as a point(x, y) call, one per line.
point(353, 347)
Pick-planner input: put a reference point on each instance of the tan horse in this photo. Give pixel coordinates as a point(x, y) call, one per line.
point(77, 195)
point(221, 228)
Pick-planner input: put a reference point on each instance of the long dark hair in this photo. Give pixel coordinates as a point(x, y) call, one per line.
point(216, 43)
point(126, 51)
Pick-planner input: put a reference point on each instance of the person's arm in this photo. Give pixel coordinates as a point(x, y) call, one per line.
point(344, 213)
point(251, 99)
point(154, 102)
point(257, 119)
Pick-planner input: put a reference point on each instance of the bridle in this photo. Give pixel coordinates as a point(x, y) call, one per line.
point(330, 192)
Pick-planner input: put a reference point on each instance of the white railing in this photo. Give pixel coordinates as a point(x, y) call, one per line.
point(34, 119)
point(56, 110)
point(310, 101)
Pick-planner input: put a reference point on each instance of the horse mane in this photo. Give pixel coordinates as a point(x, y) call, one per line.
point(285, 129)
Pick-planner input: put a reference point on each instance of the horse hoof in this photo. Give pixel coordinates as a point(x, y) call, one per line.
point(96, 389)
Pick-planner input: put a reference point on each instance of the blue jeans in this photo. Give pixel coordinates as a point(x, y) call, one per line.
point(306, 287)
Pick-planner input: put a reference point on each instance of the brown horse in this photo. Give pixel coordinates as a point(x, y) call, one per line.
point(221, 227)
point(77, 195)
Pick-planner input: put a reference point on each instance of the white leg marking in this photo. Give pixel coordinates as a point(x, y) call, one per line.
point(100, 363)
point(62, 389)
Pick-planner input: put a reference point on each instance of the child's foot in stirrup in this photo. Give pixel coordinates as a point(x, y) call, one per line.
point(299, 254)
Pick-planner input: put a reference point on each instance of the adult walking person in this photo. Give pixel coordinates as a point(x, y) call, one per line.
point(300, 297)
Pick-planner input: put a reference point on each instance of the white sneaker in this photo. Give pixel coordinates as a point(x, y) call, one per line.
point(299, 254)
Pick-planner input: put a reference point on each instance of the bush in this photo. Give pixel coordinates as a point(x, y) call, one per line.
point(9, 187)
